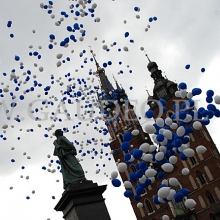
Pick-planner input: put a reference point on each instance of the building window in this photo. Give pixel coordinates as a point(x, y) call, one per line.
point(133, 168)
point(120, 138)
point(171, 90)
point(201, 177)
point(210, 197)
point(212, 217)
point(162, 93)
point(149, 206)
point(193, 160)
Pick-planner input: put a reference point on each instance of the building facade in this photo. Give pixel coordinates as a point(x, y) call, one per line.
point(203, 181)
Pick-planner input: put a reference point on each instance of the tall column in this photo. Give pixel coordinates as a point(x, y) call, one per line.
point(83, 201)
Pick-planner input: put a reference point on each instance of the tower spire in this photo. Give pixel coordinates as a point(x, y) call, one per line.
point(116, 82)
point(104, 82)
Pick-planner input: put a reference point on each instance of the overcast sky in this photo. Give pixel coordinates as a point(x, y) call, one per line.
point(186, 32)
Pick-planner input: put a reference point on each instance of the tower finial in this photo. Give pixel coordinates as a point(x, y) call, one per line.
point(91, 51)
point(147, 90)
point(147, 56)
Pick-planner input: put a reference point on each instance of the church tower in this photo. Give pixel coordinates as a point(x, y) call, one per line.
point(203, 180)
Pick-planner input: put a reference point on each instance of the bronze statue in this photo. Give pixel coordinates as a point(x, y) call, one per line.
point(71, 168)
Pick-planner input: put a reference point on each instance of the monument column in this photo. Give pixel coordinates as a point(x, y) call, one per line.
point(83, 201)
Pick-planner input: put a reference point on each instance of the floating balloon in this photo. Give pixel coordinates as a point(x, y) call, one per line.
point(173, 182)
point(201, 149)
point(122, 167)
point(116, 182)
point(135, 132)
point(114, 174)
point(167, 167)
point(163, 192)
point(190, 203)
point(185, 171)
point(150, 129)
point(127, 184)
point(145, 147)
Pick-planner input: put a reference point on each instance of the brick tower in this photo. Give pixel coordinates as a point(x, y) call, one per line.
point(203, 181)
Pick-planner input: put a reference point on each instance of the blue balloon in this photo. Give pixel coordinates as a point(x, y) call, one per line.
point(128, 193)
point(183, 156)
point(163, 102)
point(125, 146)
point(127, 157)
point(184, 191)
point(217, 113)
point(160, 175)
point(137, 198)
point(142, 164)
point(210, 93)
point(211, 107)
point(149, 114)
point(139, 173)
point(150, 19)
point(133, 177)
point(203, 70)
point(187, 66)
point(139, 190)
point(178, 197)
point(155, 18)
point(79, 93)
point(209, 99)
point(21, 97)
point(52, 36)
point(116, 182)
point(160, 138)
point(156, 201)
point(17, 58)
point(126, 34)
point(137, 154)
point(182, 115)
point(127, 136)
point(182, 85)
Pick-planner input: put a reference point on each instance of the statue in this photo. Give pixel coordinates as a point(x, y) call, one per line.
point(71, 168)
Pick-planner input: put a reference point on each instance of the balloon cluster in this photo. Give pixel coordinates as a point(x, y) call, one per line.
point(171, 134)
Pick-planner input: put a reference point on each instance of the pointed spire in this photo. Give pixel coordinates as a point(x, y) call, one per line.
point(117, 86)
point(104, 82)
point(148, 58)
point(96, 63)
point(147, 91)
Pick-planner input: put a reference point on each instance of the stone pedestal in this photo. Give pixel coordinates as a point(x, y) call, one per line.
point(83, 201)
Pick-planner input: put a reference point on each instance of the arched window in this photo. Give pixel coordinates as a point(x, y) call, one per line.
point(193, 160)
point(149, 206)
point(210, 197)
point(201, 177)
point(120, 138)
point(212, 217)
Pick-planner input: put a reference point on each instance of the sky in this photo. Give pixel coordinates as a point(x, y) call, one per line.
point(185, 32)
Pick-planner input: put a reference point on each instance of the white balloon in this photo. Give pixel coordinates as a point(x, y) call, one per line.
point(165, 182)
point(173, 159)
point(135, 132)
point(177, 94)
point(150, 129)
point(94, 5)
point(168, 134)
point(168, 121)
point(164, 142)
point(145, 147)
point(173, 182)
point(171, 194)
point(163, 192)
point(132, 159)
point(159, 156)
point(114, 174)
point(189, 152)
point(59, 63)
point(167, 167)
point(5, 126)
point(173, 126)
point(150, 172)
point(160, 122)
point(165, 217)
point(217, 99)
point(182, 147)
point(59, 55)
point(122, 167)
point(143, 179)
point(189, 95)
point(97, 19)
point(161, 200)
point(148, 157)
point(152, 148)
point(201, 149)
point(127, 184)
point(185, 171)
point(197, 125)
point(41, 69)
point(183, 94)
point(190, 203)
point(152, 179)
point(104, 47)
point(125, 48)
point(188, 118)
point(140, 205)
point(180, 131)
point(163, 149)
